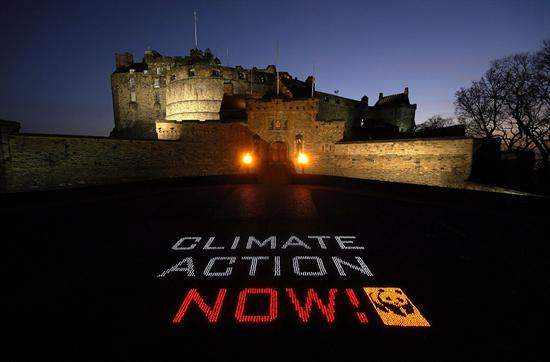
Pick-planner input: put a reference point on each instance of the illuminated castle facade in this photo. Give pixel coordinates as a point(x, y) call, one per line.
point(192, 116)
point(170, 98)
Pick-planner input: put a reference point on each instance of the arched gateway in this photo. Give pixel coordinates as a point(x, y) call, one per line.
point(278, 152)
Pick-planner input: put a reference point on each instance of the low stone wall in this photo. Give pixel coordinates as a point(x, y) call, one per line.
point(38, 162)
point(443, 162)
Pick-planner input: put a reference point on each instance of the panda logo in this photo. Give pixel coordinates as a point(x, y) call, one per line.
point(392, 301)
point(394, 308)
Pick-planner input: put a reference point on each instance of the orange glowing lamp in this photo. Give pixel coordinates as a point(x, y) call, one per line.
point(303, 159)
point(247, 159)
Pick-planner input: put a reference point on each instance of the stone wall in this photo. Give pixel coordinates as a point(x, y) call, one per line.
point(38, 162)
point(332, 107)
point(399, 116)
point(199, 97)
point(443, 162)
point(169, 130)
point(139, 99)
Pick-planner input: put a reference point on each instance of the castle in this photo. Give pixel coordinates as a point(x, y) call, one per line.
point(191, 116)
point(167, 98)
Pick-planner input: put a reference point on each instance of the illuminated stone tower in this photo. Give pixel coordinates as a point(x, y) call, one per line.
point(162, 90)
point(196, 88)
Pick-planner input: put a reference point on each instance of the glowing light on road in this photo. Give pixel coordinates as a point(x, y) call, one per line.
point(247, 159)
point(303, 159)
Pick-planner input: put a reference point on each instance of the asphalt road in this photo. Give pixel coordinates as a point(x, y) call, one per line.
point(97, 274)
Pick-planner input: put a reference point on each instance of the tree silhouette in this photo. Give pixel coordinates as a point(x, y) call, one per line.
point(434, 122)
point(511, 101)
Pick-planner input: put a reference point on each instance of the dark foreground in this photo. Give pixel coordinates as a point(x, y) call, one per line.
point(83, 272)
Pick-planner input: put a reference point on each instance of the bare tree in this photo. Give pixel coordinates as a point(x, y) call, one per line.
point(434, 122)
point(512, 102)
point(512, 137)
point(480, 107)
point(523, 102)
point(542, 64)
point(542, 92)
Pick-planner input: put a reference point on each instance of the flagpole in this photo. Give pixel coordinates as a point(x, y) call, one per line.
point(313, 81)
point(277, 66)
point(195, 21)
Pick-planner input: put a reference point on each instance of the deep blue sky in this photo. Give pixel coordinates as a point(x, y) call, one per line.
point(56, 57)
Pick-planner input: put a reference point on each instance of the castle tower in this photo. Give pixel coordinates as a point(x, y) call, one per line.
point(195, 90)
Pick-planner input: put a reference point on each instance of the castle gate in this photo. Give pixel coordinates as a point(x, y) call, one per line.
point(278, 152)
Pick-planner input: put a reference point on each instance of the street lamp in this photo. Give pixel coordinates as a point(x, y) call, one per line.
point(303, 160)
point(247, 161)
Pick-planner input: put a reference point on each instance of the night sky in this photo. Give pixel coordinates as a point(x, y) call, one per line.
point(57, 56)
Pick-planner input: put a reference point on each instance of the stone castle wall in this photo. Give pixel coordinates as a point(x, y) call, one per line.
point(443, 162)
point(138, 100)
point(199, 98)
point(401, 117)
point(38, 162)
point(332, 107)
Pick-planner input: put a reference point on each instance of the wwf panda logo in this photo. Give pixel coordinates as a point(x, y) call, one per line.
point(392, 301)
point(394, 308)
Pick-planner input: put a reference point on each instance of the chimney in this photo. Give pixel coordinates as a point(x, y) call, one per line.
point(380, 95)
point(406, 92)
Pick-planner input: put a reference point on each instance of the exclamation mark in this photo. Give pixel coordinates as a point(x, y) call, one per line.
point(353, 299)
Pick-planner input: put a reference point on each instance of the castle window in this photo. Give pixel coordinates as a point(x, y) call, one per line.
point(157, 98)
point(173, 77)
point(157, 83)
point(337, 101)
point(242, 76)
point(191, 72)
point(216, 73)
point(159, 71)
point(132, 82)
point(262, 79)
point(325, 99)
point(133, 97)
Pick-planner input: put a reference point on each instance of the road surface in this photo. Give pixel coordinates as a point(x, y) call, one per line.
point(197, 271)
